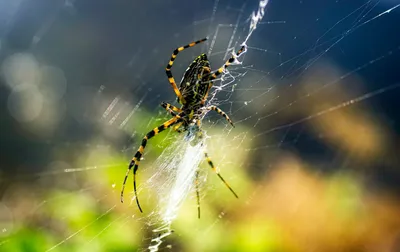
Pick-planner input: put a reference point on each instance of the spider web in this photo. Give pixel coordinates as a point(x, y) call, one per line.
point(313, 100)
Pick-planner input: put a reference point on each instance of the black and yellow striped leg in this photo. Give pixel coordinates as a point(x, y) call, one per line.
point(136, 159)
point(227, 63)
point(197, 193)
point(174, 112)
point(222, 113)
point(177, 126)
point(219, 175)
point(169, 66)
point(170, 108)
point(221, 69)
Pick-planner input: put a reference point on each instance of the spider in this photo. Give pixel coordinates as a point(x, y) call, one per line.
point(192, 95)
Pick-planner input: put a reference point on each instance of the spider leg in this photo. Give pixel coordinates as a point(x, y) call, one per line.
point(169, 66)
point(176, 127)
point(222, 113)
point(197, 193)
point(136, 159)
point(171, 109)
point(167, 106)
point(227, 63)
point(221, 69)
point(219, 175)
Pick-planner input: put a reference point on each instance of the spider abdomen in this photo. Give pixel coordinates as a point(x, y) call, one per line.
point(195, 83)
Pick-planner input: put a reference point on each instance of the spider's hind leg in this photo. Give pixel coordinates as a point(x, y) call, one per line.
point(197, 193)
point(219, 175)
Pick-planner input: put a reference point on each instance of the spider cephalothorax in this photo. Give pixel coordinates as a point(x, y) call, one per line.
point(192, 95)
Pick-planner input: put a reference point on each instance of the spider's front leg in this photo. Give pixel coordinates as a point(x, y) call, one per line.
point(169, 66)
point(227, 63)
point(136, 159)
point(221, 70)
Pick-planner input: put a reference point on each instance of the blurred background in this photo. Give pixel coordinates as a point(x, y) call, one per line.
point(314, 156)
